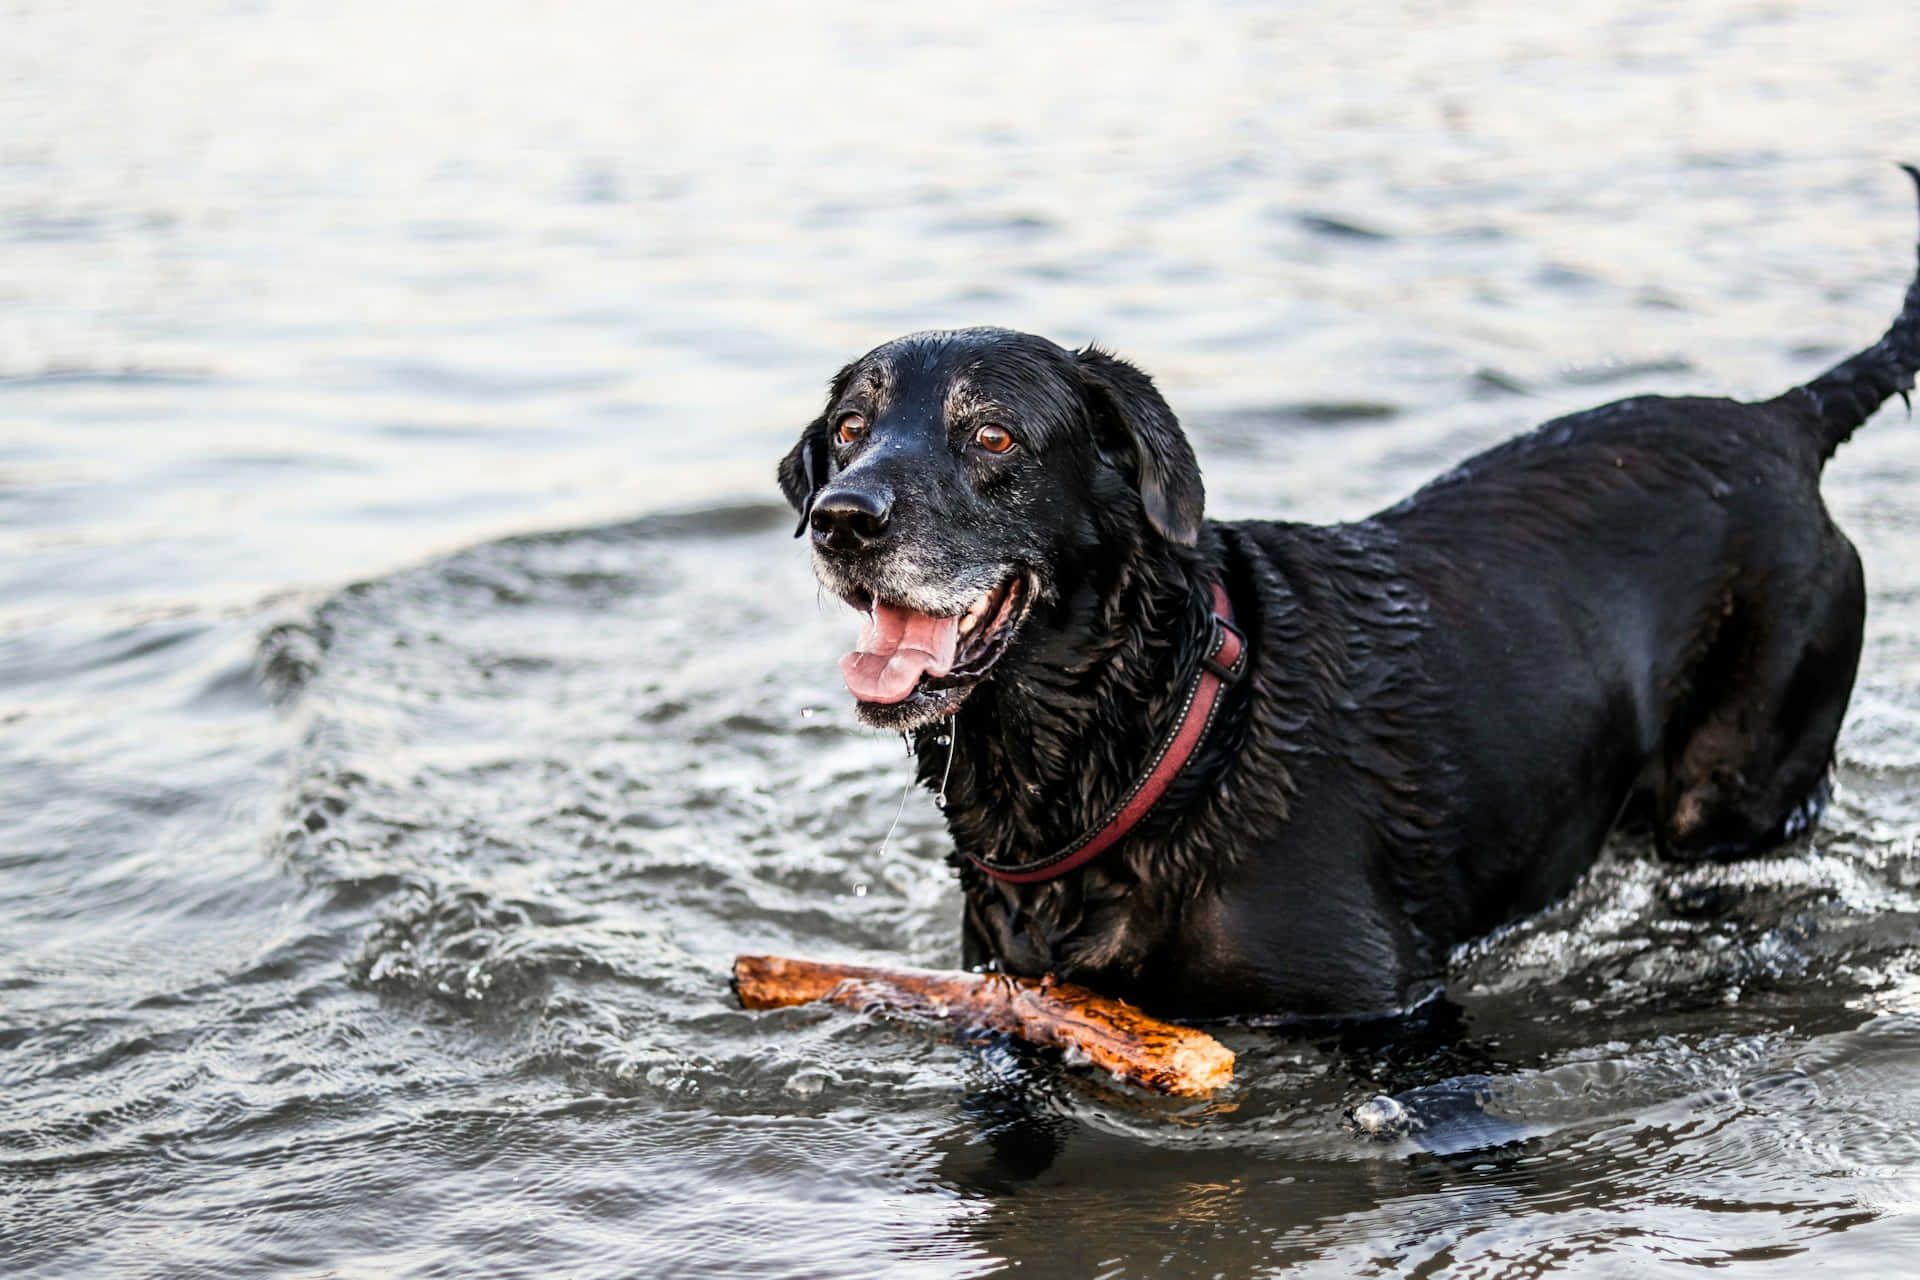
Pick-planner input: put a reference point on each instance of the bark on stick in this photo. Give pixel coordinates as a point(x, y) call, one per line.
point(1111, 1034)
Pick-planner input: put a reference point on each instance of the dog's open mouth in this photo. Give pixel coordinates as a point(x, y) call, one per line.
point(902, 649)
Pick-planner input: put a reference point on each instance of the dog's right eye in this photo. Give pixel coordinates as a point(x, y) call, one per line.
point(994, 438)
point(851, 428)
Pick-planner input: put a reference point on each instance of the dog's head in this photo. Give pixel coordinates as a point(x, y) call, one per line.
point(959, 481)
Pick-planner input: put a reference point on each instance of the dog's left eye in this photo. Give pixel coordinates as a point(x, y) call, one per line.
point(994, 438)
point(851, 428)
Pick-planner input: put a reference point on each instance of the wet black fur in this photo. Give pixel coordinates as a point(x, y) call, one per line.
point(1449, 704)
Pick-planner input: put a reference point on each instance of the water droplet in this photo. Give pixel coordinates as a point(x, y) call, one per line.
point(860, 891)
point(807, 1082)
point(806, 713)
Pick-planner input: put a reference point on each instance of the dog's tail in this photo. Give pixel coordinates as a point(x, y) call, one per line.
point(1846, 395)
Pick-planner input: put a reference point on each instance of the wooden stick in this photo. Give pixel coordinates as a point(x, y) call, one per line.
point(1111, 1034)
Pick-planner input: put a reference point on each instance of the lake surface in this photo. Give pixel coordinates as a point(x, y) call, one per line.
point(411, 699)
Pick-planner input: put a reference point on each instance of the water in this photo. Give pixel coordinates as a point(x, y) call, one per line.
point(410, 699)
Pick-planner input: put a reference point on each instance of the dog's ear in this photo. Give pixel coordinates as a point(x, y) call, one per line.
point(1164, 470)
point(804, 470)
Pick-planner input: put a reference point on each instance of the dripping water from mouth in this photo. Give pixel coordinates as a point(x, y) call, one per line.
point(950, 739)
point(947, 738)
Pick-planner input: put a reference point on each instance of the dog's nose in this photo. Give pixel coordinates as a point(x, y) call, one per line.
point(849, 519)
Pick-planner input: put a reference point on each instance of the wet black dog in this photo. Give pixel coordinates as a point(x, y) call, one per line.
point(1443, 708)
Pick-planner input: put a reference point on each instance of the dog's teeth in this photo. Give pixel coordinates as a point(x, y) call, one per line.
point(976, 613)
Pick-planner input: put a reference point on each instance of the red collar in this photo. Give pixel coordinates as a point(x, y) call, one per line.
point(1224, 663)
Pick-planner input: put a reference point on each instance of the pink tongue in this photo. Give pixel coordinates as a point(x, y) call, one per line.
point(897, 647)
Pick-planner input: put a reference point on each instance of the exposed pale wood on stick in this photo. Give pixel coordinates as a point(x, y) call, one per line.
point(1111, 1034)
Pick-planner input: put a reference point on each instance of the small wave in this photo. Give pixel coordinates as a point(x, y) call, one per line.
point(1624, 370)
point(1341, 228)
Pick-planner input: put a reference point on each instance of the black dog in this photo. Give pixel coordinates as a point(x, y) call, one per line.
point(1388, 736)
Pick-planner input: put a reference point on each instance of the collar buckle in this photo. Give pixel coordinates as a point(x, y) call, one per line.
point(1229, 643)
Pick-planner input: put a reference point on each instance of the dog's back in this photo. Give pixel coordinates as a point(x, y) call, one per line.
point(1644, 607)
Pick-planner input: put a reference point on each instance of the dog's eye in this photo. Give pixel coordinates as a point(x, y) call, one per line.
point(851, 428)
point(994, 438)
